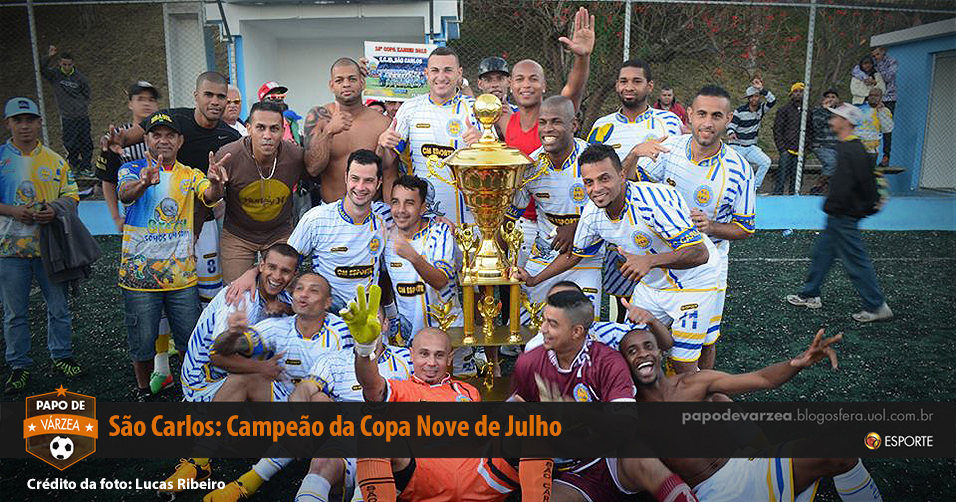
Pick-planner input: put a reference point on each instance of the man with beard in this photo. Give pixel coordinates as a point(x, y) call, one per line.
point(203, 132)
point(263, 171)
point(634, 127)
point(652, 228)
point(733, 479)
point(559, 196)
point(715, 180)
point(335, 130)
point(420, 258)
point(494, 78)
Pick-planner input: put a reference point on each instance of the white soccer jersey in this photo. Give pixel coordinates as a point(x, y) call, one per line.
point(413, 295)
point(197, 371)
point(345, 252)
point(621, 134)
point(655, 220)
point(429, 129)
point(281, 336)
point(334, 374)
point(722, 186)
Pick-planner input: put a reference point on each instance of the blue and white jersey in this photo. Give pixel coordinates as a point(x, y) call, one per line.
point(608, 333)
point(197, 371)
point(655, 220)
point(347, 253)
point(432, 130)
point(414, 297)
point(721, 186)
point(334, 374)
point(622, 134)
point(301, 351)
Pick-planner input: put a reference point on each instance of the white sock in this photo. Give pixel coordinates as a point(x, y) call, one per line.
point(161, 363)
point(314, 488)
point(267, 467)
point(856, 485)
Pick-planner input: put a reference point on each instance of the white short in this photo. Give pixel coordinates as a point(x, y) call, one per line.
point(587, 275)
point(713, 330)
point(687, 312)
point(207, 262)
point(753, 479)
point(204, 392)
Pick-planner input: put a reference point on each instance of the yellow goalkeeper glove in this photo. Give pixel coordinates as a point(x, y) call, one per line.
point(361, 316)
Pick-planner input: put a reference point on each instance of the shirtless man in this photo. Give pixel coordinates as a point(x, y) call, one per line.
point(729, 479)
point(335, 130)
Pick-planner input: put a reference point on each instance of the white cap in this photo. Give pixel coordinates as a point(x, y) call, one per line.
point(849, 112)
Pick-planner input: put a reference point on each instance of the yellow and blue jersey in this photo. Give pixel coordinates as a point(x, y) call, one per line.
point(655, 220)
point(158, 239)
point(623, 134)
point(40, 175)
point(334, 374)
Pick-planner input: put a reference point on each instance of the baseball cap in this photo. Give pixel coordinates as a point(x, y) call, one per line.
point(849, 112)
point(269, 87)
point(20, 106)
point(161, 119)
point(140, 87)
point(797, 86)
point(751, 91)
point(493, 64)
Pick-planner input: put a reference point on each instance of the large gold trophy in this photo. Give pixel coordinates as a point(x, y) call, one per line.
point(488, 174)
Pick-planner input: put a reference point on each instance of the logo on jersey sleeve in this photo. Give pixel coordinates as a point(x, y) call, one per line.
point(578, 194)
point(374, 244)
point(703, 195)
point(453, 127)
point(641, 239)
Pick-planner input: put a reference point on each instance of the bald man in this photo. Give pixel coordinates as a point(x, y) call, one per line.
point(233, 108)
point(335, 130)
point(559, 196)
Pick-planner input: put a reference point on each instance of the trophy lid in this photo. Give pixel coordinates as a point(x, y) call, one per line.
point(488, 151)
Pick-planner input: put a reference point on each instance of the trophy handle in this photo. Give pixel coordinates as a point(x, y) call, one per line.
point(541, 170)
point(433, 162)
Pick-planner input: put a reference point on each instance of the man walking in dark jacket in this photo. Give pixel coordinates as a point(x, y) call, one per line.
point(853, 195)
point(786, 135)
point(72, 91)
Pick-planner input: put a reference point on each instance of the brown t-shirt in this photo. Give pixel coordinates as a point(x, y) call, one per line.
point(259, 206)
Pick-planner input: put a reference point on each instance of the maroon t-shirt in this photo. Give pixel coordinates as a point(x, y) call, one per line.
point(598, 373)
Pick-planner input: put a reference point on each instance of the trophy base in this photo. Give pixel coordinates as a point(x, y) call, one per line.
point(481, 278)
point(501, 336)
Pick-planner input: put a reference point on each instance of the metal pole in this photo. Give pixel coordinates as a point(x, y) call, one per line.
point(801, 152)
point(36, 71)
point(627, 30)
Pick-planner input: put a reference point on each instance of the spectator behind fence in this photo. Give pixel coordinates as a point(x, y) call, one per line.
point(745, 126)
point(31, 177)
point(786, 136)
point(853, 196)
point(233, 108)
point(886, 66)
point(495, 78)
point(142, 100)
point(157, 270)
point(877, 123)
point(262, 171)
point(863, 78)
point(72, 91)
point(823, 140)
point(668, 101)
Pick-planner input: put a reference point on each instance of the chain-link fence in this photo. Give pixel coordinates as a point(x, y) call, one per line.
point(729, 43)
point(78, 60)
point(688, 44)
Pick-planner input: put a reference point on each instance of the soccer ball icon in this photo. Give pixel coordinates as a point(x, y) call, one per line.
point(61, 447)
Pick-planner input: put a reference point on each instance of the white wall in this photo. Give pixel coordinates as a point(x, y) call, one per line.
point(260, 48)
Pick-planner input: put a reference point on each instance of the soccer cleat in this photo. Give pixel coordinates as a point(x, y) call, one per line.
point(882, 313)
point(812, 302)
point(159, 382)
point(17, 381)
point(230, 493)
point(68, 366)
point(186, 469)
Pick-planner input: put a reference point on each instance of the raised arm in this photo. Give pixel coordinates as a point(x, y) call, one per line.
point(581, 45)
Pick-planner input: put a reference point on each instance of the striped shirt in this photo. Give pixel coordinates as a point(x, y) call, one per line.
point(346, 253)
point(197, 371)
point(281, 336)
point(135, 151)
point(622, 134)
point(431, 130)
point(655, 220)
point(721, 186)
point(334, 374)
point(414, 297)
point(746, 123)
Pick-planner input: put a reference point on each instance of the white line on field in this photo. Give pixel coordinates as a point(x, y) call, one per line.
point(929, 258)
